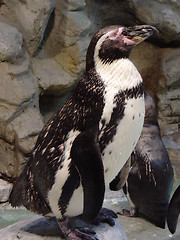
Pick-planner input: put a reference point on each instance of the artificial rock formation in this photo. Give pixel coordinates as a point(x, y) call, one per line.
point(42, 54)
point(20, 120)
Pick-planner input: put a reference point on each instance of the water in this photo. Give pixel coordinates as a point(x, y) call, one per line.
point(9, 215)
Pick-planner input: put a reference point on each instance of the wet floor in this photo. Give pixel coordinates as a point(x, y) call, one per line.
point(8, 215)
point(139, 228)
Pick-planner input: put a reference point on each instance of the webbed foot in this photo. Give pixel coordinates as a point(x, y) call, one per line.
point(127, 213)
point(105, 216)
point(76, 233)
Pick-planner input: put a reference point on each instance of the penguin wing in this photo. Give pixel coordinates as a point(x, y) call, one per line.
point(119, 181)
point(173, 211)
point(86, 156)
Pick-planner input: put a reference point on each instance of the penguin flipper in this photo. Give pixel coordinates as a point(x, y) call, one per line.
point(119, 181)
point(173, 211)
point(85, 154)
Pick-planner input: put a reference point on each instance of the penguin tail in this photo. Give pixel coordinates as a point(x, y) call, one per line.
point(18, 195)
point(120, 180)
point(173, 211)
point(24, 193)
point(155, 212)
point(158, 221)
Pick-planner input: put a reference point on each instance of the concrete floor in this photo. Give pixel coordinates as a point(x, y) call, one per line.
point(138, 228)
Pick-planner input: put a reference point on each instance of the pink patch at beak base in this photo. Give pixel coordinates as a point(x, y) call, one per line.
point(128, 41)
point(116, 35)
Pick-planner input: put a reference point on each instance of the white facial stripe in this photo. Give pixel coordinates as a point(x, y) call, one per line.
point(113, 37)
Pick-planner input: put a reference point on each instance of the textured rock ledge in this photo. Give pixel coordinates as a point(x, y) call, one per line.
point(38, 228)
point(5, 189)
point(42, 54)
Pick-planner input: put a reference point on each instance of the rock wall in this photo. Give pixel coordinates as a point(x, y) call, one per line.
point(42, 55)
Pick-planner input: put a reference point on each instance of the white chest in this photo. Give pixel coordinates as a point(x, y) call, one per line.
point(128, 131)
point(120, 76)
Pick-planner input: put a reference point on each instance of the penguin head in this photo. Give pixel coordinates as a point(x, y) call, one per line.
point(115, 42)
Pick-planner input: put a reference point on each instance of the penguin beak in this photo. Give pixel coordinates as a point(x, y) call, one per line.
point(138, 34)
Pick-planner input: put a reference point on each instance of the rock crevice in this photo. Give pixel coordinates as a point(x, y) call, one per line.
point(42, 54)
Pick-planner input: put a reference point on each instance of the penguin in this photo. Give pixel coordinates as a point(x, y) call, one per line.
point(83, 146)
point(150, 178)
point(173, 211)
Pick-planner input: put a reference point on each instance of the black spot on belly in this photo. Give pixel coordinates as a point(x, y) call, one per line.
point(110, 152)
point(133, 117)
point(109, 130)
point(107, 169)
point(139, 114)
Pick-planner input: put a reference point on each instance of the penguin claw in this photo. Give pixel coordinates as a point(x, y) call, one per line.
point(127, 213)
point(83, 233)
point(76, 233)
point(106, 216)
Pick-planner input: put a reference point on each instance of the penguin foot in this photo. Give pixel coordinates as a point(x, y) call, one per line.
point(127, 213)
point(105, 216)
point(76, 233)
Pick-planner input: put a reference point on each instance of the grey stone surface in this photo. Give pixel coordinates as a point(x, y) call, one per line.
point(51, 76)
point(42, 51)
point(20, 120)
point(5, 189)
point(22, 84)
point(171, 63)
point(41, 228)
point(32, 19)
point(73, 5)
point(68, 38)
point(7, 160)
point(168, 96)
point(162, 14)
point(10, 42)
point(20, 135)
point(25, 127)
point(73, 26)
